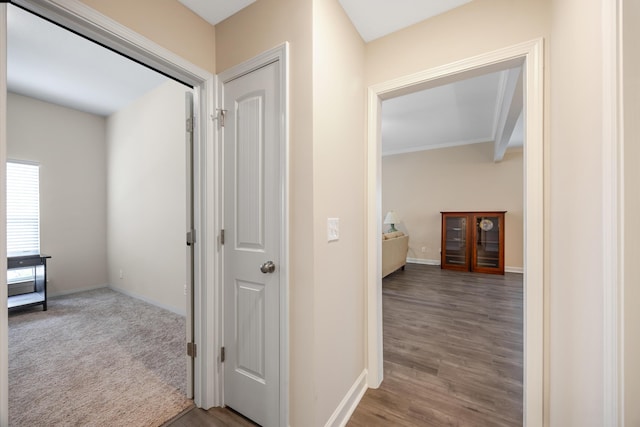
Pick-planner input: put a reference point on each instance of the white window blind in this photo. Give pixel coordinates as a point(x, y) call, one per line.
point(23, 208)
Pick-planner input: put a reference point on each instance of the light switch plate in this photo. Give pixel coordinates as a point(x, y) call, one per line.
point(333, 229)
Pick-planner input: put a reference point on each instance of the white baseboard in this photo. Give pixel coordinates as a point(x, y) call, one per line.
point(437, 262)
point(148, 300)
point(423, 261)
point(54, 294)
point(343, 412)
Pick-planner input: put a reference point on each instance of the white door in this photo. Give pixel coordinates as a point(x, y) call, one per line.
point(252, 212)
point(189, 288)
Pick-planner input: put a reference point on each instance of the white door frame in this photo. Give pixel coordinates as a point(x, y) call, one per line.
point(4, 330)
point(95, 26)
point(531, 55)
point(279, 53)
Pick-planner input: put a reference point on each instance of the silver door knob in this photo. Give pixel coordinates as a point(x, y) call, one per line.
point(268, 267)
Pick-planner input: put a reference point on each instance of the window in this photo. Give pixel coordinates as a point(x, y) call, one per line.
point(23, 216)
point(23, 208)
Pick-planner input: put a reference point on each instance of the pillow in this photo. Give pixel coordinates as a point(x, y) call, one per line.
point(393, 235)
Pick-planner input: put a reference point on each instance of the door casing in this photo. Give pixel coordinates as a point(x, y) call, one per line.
point(530, 54)
point(4, 320)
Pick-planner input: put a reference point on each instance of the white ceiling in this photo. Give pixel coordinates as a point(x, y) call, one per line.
point(377, 18)
point(214, 11)
point(460, 113)
point(372, 18)
point(47, 62)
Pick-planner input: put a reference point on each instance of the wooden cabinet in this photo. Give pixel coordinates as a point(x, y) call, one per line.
point(473, 241)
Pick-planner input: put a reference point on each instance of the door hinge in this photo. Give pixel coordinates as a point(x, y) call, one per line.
point(191, 349)
point(220, 116)
point(222, 355)
point(222, 237)
point(191, 237)
point(189, 124)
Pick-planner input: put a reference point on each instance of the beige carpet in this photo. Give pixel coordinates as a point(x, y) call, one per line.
point(96, 358)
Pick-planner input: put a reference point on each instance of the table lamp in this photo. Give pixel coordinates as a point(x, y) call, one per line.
point(392, 219)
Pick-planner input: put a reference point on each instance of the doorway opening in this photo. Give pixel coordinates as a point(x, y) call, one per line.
point(529, 56)
point(448, 330)
point(79, 19)
point(112, 214)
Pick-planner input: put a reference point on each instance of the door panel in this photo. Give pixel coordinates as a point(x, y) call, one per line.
point(250, 173)
point(252, 211)
point(251, 329)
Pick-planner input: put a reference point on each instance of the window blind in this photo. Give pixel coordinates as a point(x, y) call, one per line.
point(23, 208)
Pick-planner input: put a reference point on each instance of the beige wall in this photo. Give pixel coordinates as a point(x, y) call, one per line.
point(70, 147)
point(631, 321)
point(146, 197)
point(323, 185)
point(166, 22)
point(478, 27)
point(338, 190)
point(261, 26)
point(418, 186)
point(146, 191)
point(576, 143)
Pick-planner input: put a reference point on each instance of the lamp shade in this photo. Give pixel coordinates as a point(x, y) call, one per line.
point(391, 218)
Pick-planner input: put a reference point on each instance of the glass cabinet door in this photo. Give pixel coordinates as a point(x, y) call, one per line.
point(454, 244)
point(487, 242)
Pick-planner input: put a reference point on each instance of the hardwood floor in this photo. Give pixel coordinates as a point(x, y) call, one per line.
point(214, 417)
point(452, 354)
point(452, 351)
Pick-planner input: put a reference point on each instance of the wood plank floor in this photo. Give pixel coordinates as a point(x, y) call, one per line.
point(214, 417)
point(452, 354)
point(452, 351)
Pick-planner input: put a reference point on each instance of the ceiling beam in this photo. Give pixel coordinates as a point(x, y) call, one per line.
point(510, 110)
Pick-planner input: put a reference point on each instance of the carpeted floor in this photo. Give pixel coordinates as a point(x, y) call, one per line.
point(97, 358)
